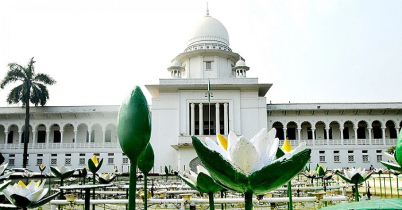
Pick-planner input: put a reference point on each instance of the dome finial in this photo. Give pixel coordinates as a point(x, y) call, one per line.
point(207, 10)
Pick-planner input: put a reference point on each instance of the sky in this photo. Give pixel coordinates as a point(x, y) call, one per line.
point(314, 51)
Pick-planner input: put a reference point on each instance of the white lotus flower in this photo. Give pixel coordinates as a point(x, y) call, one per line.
point(34, 191)
point(3, 167)
point(106, 178)
point(356, 175)
point(251, 156)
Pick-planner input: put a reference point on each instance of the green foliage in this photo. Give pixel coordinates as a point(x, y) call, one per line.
point(391, 150)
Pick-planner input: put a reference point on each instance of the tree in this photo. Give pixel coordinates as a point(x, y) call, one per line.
point(32, 89)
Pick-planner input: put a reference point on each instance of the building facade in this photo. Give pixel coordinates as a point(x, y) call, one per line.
point(208, 92)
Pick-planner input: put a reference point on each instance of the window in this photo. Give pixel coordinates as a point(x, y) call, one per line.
point(82, 154)
point(322, 158)
point(39, 155)
point(54, 155)
point(11, 162)
point(53, 161)
point(208, 126)
point(364, 151)
point(56, 136)
point(379, 158)
point(10, 137)
point(365, 158)
point(346, 133)
point(110, 160)
point(11, 155)
point(82, 161)
point(336, 158)
point(351, 158)
point(208, 65)
point(39, 161)
point(67, 161)
point(68, 155)
point(350, 151)
point(110, 154)
point(378, 151)
point(125, 160)
point(108, 136)
point(41, 136)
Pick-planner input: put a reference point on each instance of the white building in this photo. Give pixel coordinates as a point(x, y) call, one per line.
point(340, 135)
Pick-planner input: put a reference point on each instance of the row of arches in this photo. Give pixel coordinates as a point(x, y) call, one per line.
point(337, 130)
point(57, 133)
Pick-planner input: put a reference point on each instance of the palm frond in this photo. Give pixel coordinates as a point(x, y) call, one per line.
point(12, 76)
point(16, 95)
point(44, 78)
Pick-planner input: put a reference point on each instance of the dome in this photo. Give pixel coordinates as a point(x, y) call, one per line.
point(240, 63)
point(176, 63)
point(209, 30)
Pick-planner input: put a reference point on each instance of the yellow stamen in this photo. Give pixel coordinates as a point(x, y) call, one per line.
point(20, 183)
point(286, 146)
point(41, 166)
point(37, 184)
point(95, 160)
point(223, 141)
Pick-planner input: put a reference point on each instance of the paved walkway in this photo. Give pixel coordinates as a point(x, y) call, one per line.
point(391, 203)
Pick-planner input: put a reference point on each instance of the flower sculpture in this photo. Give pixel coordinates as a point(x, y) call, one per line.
point(355, 176)
point(202, 182)
point(41, 169)
point(396, 158)
point(106, 178)
point(4, 176)
point(83, 173)
point(28, 196)
point(134, 131)
point(250, 166)
point(61, 173)
point(310, 174)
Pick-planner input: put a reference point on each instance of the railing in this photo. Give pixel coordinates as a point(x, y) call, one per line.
point(61, 145)
point(187, 141)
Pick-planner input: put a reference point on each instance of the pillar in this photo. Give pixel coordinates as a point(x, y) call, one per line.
point(19, 138)
point(61, 137)
point(369, 132)
point(226, 119)
point(33, 138)
point(313, 135)
point(285, 133)
point(6, 137)
point(383, 134)
point(192, 132)
point(355, 128)
point(201, 118)
point(299, 134)
point(47, 138)
point(218, 130)
point(75, 138)
point(327, 131)
point(103, 136)
point(341, 130)
point(89, 137)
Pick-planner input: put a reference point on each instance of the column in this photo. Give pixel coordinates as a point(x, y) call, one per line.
point(201, 119)
point(75, 138)
point(327, 131)
point(33, 138)
point(103, 137)
point(397, 132)
point(6, 137)
point(285, 135)
point(341, 130)
point(299, 134)
point(218, 130)
point(383, 134)
point(61, 137)
point(225, 119)
point(19, 138)
point(369, 132)
point(355, 128)
point(192, 132)
point(47, 138)
point(89, 138)
point(312, 134)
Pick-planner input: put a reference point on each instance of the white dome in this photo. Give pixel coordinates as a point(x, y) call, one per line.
point(240, 63)
point(176, 63)
point(209, 31)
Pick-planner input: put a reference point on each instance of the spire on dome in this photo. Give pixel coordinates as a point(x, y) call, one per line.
point(207, 10)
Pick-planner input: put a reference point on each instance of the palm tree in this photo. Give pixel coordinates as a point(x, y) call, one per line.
point(32, 89)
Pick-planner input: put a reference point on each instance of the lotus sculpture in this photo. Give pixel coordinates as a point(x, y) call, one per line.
point(4, 175)
point(395, 162)
point(106, 178)
point(251, 166)
point(202, 182)
point(28, 196)
point(355, 176)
